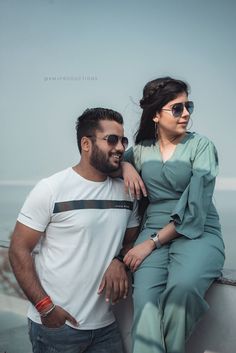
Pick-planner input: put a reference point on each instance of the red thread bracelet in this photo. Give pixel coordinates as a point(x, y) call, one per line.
point(43, 303)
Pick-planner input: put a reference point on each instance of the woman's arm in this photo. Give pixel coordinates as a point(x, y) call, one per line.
point(133, 182)
point(137, 254)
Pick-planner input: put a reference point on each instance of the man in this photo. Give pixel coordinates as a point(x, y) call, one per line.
point(78, 218)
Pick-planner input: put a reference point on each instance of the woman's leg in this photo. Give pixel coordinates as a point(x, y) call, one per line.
point(194, 264)
point(149, 282)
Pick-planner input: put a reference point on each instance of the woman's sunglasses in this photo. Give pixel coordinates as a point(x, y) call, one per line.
point(178, 108)
point(112, 140)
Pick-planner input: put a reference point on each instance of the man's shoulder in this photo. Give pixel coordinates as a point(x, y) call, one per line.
point(118, 187)
point(117, 182)
point(60, 175)
point(54, 181)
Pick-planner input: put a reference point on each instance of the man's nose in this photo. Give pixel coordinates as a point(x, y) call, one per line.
point(120, 146)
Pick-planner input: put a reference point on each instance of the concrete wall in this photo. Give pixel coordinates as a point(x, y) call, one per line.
point(215, 333)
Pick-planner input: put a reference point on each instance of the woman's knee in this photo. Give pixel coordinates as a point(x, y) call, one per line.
point(143, 296)
point(185, 293)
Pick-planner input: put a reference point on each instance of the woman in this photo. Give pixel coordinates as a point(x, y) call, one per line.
point(179, 251)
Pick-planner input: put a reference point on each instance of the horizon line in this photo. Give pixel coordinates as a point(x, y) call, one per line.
point(222, 183)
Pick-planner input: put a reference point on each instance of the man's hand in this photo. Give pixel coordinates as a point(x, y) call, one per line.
point(137, 254)
point(57, 318)
point(114, 282)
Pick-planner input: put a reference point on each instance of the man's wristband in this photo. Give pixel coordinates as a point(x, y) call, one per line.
point(119, 257)
point(46, 313)
point(43, 303)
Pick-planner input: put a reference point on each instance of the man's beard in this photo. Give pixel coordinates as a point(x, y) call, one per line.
point(100, 161)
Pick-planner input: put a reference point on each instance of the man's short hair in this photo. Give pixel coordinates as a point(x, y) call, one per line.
point(89, 121)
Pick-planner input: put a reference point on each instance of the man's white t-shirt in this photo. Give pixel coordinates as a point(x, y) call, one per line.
point(84, 224)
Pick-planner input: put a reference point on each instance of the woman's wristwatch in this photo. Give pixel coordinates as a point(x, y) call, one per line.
point(155, 238)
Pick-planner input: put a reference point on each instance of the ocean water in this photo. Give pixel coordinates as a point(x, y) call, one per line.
point(12, 198)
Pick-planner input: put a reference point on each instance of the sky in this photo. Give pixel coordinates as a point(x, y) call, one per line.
point(59, 57)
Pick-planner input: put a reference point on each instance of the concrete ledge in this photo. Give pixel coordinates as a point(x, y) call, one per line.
point(215, 333)
point(228, 277)
point(13, 304)
point(14, 333)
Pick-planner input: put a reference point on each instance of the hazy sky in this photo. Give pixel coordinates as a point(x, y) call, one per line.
point(59, 57)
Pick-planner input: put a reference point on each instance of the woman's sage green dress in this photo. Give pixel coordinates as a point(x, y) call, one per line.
point(170, 284)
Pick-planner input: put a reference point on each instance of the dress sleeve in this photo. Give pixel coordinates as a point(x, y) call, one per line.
point(191, 210)
point(129, 156)
point(133, 156)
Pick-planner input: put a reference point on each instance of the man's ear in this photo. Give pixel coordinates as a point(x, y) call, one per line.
point(86, 144)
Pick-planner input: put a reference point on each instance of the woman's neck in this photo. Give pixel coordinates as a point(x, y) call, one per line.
point(166, 140)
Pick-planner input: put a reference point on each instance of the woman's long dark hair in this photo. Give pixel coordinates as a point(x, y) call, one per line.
point(156, 94)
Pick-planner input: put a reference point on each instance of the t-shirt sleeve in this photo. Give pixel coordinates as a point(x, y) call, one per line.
point(191, 210)
point(36, 211)
point(134, 219)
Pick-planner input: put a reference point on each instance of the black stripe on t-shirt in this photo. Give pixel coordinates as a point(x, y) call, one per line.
point(89, 204)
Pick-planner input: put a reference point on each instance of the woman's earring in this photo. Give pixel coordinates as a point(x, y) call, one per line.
point(156, 128)
point(191, 124)
point(155, 119)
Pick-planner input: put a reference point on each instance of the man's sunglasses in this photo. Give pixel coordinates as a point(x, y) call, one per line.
point(112, 140)
point(178, 108)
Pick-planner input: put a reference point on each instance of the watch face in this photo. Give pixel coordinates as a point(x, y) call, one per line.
point(155, 238)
